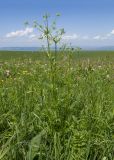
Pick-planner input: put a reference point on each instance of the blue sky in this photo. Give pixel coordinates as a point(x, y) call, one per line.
point(86, 22)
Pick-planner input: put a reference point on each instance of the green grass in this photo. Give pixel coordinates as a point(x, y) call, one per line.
point(59, 111)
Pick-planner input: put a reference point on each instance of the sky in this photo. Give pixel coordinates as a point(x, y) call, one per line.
point(86, 22)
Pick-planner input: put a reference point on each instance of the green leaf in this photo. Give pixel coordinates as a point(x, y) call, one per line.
point(35, 145)
point(3, 153)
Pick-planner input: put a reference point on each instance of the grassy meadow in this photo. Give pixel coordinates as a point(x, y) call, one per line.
point(57, 110)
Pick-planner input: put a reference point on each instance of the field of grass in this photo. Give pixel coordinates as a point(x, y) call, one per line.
point(57, 111)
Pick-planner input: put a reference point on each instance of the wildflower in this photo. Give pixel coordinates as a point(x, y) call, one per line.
point(99, 66)
point(107, 76)
point(7, 73)
point(93, 69)
point(25, 72)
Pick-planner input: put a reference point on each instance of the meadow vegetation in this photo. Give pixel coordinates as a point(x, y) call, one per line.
point(56, 105)
point(62, 112)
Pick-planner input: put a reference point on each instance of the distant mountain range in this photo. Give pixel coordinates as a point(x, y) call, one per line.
point(102, 48)
point(20, 48)
point(110, 48)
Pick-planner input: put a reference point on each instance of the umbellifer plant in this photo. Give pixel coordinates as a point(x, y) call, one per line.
point(49, 32)
point(52, 36)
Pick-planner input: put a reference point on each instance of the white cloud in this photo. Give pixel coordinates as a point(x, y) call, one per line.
point(97, 37)
point(112, 32)
point(101, 37)
point(32, 36)
point(109, 34)
point(104, 37)
point(19, 33)
point(85, 37)
point(70, 37)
